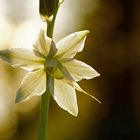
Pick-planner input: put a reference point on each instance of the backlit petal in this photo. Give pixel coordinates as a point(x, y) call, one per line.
point(65, 97)
point(72, 44)
point(43, 44)
point(34, 83)
point(77, 87)
point(79, 70)
point(21, 57)
point(64, 71)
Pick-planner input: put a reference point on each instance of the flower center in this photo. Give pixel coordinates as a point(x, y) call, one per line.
point(51, 66)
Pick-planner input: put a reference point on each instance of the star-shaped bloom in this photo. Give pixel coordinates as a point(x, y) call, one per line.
point(56, 60)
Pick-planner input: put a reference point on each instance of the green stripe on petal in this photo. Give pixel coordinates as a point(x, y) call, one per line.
point(21, 57)
point(34, 83)
point(79, 70)
point(72, 44)
point(64, 72)
point(65, 97)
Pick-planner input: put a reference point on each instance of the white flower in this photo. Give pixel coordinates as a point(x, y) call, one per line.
point(56, 60)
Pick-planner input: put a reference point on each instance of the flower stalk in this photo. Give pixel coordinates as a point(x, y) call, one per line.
point(45, 99)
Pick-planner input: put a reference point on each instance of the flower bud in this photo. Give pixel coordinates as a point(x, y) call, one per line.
point(47, 8)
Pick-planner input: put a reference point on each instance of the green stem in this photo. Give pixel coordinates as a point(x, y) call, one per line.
point(50, 24)
point(45, 99)
point(44, 111)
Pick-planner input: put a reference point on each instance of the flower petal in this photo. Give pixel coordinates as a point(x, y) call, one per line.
point(34, 83)
point(64, 71)
point(43, 44)
point(79, 70)
point(65, 97)
point(72, 44)
point(21, 57)
point(77, 87)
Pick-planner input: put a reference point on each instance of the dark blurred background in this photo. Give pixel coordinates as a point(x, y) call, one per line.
point(112, 48)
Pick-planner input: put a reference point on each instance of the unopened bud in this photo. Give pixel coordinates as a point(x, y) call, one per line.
point(47, 8)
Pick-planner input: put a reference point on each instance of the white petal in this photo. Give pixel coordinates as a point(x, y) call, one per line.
point(43, 44)
point(21, 57)
point(72, 44)
point(31, 68)
point(77, 87)
point(79, 70)
point(65, 96)
point(34, 83)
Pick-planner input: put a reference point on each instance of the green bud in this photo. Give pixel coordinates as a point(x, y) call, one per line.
point(47, 8)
